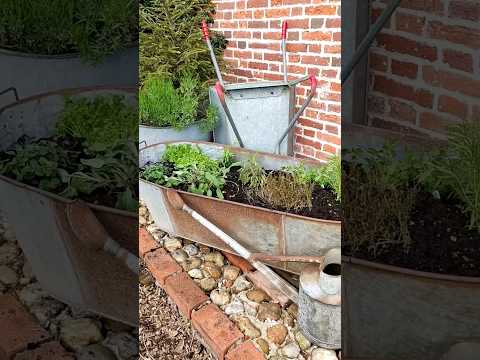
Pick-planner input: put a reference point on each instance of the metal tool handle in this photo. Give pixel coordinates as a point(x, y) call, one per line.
point(15, 93)
point(206, 37)
point(313, 90)
point(284, 50)
point(221, 96)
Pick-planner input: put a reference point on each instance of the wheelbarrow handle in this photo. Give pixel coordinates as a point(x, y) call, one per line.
point(284, 29)
point(221, 95)
point(206, 35)
point(313, 90)
point(284, 50)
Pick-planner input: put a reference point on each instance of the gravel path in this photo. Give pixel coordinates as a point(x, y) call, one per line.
point(164, 333)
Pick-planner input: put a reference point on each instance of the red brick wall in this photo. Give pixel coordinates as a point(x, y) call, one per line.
point(424, 66)
point(253, 28)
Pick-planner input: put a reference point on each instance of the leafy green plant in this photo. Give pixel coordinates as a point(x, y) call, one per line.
point(93, 28)
point(459, 170)
point(162, 105)
point(171, 40)
point(101, 120)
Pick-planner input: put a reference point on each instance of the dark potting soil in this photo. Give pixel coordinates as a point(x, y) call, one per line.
point(441, 241)
point(325, 205)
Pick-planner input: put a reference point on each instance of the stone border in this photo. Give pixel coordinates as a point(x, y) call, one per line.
point(217, 332)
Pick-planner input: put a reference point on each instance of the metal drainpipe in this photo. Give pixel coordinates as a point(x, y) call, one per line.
point(368, 39)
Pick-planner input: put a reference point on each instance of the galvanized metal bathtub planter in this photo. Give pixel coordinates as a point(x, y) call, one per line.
point(380, 302)
point(149, 135)
point(66, 268)
point(258, 229)
point(33, 74)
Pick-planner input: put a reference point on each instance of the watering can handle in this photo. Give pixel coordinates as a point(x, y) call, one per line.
point(15, 93)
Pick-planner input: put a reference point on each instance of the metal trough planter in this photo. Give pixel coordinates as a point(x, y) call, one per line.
point(258, 229)
point(149, 135)
point(34, 74)
point(66, 268)
point(380, 302)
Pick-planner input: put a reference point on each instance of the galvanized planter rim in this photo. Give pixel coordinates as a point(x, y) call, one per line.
point(70, 91)
point(233, 202)
point(65, 200)
point(51, 195)
point(410, 272)
point(194, 124)
point(75, 55)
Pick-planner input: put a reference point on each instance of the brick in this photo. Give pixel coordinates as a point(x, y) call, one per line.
point(317, 23)
point(450, 81)
point(410, 23)
point(277, 13)
point(315, 60)
point(317, 35)
point(378, 62)
point(161, 265)
point(257, 3)
point(216, 330)
point(256, 24)
point(427, 6)
point(329, 149)
point(223, 5)
point(462, 35)
point(452, 106)
point(309, 142)
point(464, 9)
point(333, 23)
point(265, 46)
point(272, 57)
point(298, 23)
point(333, 49)
point(321, 10)
point(405, 69)
point(435, 122)
point(185, 293)
point(402, 111)
point(396, 89)
point(376, 104)
point(246, 351)
point(402, 45)
point(296, 47)
point(458, 60)
point(258, 66)
point(19, 329)
point(146, 242)
point(51, 350)
point(239, 262)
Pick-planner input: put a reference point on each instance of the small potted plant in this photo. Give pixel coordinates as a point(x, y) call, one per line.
point(169, 113)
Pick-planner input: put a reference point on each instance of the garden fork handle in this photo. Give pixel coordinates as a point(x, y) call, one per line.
point(206, 36)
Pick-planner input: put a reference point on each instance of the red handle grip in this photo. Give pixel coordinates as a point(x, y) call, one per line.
point(313, 84)
point(205, 30)
point(219, 91)
point(284, 29)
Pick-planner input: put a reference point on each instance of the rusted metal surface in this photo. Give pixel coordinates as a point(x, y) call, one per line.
point(258, 229)
point(68, 269)
point(380, 299)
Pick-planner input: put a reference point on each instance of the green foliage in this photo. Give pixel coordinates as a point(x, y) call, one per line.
point(327, 176)
point(171, 40)
point(102, 120)
point(459, 170)
point(252, 176)
point(193, 170)
point(69, 168)
point(91, 27)
point(162, 105)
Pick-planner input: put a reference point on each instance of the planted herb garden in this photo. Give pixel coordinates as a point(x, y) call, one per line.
point(92, 154)
point(427, 208)
point(312, 192)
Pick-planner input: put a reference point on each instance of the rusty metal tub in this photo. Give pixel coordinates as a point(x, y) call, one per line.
point(88, 279)
point(258, 229)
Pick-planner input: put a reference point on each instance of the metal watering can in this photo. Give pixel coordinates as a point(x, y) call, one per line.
point(320, 301)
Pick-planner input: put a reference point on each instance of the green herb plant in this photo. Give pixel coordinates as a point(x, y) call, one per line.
point(93, 28)
point(101, 120)
point(163, 105)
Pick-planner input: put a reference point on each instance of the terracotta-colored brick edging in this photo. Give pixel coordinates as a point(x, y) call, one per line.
point(21, 332)
point(217, 332)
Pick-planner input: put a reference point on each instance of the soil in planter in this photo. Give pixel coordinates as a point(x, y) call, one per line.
point(325, 206)
point(441, 241)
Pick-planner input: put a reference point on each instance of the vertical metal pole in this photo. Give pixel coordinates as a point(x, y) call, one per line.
point(284, 50)
point(212, 52)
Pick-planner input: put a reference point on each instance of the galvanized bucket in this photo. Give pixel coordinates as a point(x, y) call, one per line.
point(33, 74)
point(261, 112)
point(149, 135)
point(66, 268)
point(256, 228)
